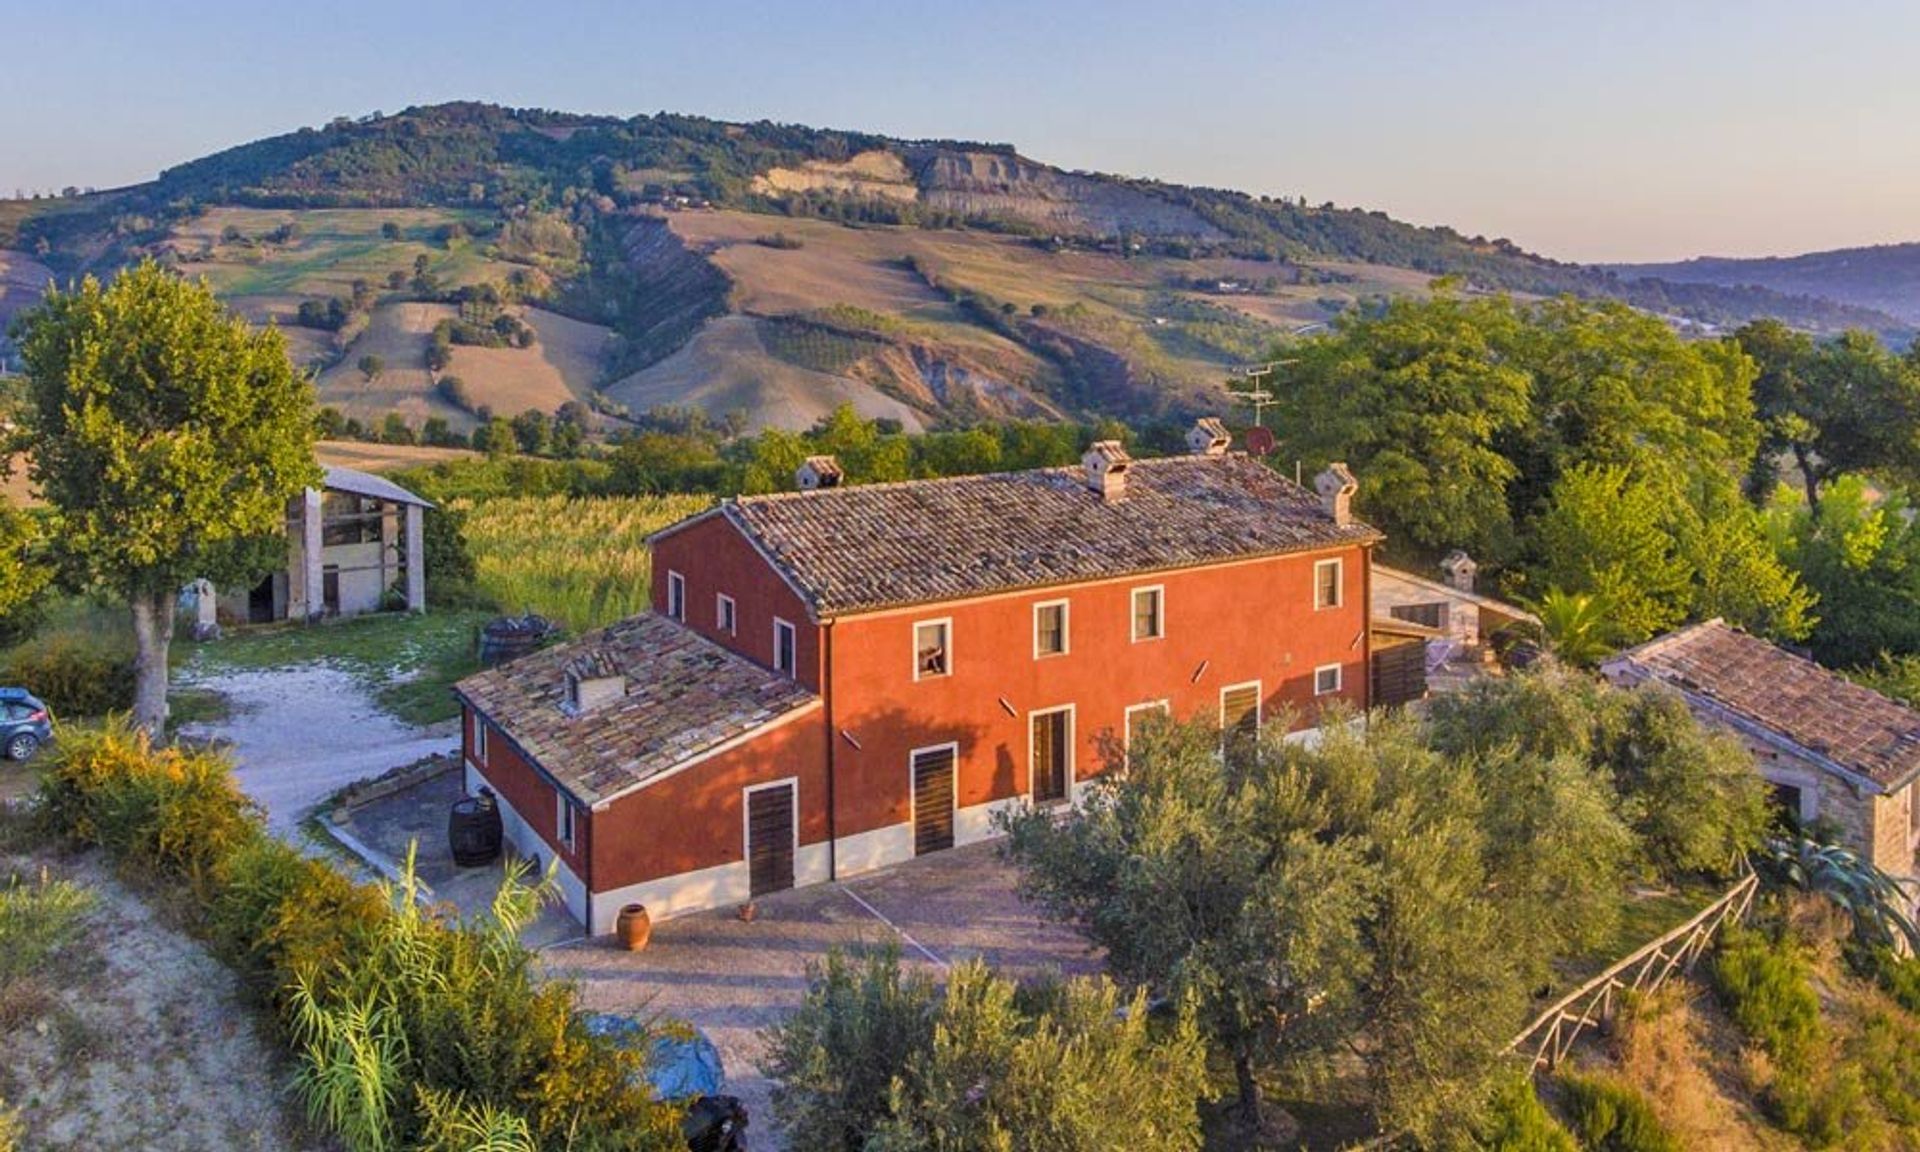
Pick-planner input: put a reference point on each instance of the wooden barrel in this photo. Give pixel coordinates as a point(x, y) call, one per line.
point(634, 928)
point(473, 831)
point(509, 637)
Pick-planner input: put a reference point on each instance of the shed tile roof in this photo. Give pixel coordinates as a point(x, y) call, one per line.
point(338, 479)
point(1791, 696)
point(879, 545)
point(686, 696)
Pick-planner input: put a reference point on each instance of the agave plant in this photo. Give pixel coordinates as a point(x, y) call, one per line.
point(1879, 904)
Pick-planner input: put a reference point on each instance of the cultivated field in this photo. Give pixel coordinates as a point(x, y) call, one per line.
point(582, 563)
point(383, 457)
point(562, 365)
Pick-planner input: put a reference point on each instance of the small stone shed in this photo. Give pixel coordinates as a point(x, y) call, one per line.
point(348, 542)
point(1836, 752)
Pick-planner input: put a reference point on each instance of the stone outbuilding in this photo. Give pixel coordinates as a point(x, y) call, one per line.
point(1837, 753)
point(350, 542)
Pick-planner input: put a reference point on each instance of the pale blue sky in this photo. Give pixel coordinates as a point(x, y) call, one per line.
point(1599, 131)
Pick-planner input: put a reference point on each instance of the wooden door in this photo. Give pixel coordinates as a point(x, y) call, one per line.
point(932, 800)
point(1052, 736)
point(770, 817)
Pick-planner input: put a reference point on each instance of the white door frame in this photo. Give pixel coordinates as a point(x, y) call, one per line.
point(913, 790)
point(1073, 735)
point(746, 823)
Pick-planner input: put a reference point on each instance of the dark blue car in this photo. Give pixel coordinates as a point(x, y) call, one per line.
point(25, 723)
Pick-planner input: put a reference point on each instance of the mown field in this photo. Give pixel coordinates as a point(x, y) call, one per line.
point(580, 562)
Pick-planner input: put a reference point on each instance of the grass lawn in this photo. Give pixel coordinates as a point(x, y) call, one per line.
point(1645, 916)
point(408, 661)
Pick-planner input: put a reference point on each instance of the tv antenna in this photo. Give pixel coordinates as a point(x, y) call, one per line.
point(1255, 392)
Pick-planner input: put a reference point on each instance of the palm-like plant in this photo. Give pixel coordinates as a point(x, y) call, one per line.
point(1879, 904)
point(1576, 625)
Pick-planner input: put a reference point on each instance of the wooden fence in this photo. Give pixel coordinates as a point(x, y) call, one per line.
point(1594, 1004)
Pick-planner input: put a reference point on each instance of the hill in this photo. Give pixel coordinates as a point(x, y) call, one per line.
point(1885, 277)
point(766, 272)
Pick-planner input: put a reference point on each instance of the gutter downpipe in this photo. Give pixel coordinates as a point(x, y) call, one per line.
point(826, 695)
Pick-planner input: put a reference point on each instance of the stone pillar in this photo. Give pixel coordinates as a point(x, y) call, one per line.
point(314, 602)
point(416, 546)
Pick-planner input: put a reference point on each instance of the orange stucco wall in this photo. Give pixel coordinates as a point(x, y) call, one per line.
point(1225, 625)
point(693, 820)
point(530, 794)
point(715, 558)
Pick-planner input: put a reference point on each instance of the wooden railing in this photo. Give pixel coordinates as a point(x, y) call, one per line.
point(1553, 1033)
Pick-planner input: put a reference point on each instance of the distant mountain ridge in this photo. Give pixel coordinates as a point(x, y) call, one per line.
point(472, 153)
point(1883, 277)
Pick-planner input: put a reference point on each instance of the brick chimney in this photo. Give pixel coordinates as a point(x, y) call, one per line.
point(1208, 437)
point(1106, 464)
point(1336, 486)
point(818, 472)
point(1460, 570)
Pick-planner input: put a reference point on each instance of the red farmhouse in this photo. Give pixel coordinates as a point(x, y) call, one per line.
point(839, 678)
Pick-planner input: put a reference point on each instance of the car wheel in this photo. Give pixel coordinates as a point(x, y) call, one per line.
point(21, 746)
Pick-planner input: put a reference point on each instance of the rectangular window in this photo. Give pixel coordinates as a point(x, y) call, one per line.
point(563, 820)
point(677, 596)
point(1050, 629)
point(784, 659)
point(723, 614)
point(1326, 584)
point(932, 649)
point(1240, 709)
point(349, 519)
point(1050, 772)
point(479, 739)
point(1137, 716)
point(1326, 679)
point(1149, 615)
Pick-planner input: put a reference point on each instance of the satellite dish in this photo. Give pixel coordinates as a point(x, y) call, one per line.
point(1260, 441)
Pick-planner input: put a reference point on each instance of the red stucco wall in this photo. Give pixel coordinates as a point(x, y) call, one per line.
point(714, 558)
point(528, 792)
point(1224, 625)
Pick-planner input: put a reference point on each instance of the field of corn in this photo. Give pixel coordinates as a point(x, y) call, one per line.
point(579, 562)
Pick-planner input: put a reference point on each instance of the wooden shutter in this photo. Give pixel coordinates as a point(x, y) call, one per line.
point(770, 818)
point(1240, 710)
point(932, 800)
point(1051, 733)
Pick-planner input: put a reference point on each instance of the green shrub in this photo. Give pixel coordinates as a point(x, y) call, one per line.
point(410, 1028)
point(1899, 977)
point(1765, 988)
point(1884, 1053)
point(39, 921)
point(1516, 1121)
point(1611, 1117)
point(77, 674)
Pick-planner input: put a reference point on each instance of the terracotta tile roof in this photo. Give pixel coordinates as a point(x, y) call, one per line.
point(878, 545)
point(685, 697)
point(1791, 696)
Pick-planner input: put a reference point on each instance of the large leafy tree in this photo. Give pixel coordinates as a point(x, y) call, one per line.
point(1844, 406)
point(1860, 552)
point(1610, 534)
point(167, 435)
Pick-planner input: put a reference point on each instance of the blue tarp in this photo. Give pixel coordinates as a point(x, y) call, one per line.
point(678, 1067)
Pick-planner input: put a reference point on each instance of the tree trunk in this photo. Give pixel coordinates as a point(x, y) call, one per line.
point(1249, 1091)
point(1807, 477)
point(152, 636)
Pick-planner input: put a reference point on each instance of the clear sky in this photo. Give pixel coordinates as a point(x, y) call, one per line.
point(1621, 130)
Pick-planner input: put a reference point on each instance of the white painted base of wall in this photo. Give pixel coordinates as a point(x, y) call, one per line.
point(721, 886)
point(526, 842)
point(865, 851)
point(974, 824)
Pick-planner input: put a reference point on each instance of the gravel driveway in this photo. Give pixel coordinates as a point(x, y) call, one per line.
point(299, 734)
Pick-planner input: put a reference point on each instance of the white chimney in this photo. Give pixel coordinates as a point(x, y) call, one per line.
point(818, 472)
point(1208, 437)
point(1336, 486)
point(1460, 570)
point(594, 679)
point(1106, 464)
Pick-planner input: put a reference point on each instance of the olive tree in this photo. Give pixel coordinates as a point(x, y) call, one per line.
point(167, 435)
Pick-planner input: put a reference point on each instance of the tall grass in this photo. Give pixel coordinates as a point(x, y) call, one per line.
point(582, 562)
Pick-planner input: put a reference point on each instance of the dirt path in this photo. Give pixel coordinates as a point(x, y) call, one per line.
point(299, 734)
point(142, 1042)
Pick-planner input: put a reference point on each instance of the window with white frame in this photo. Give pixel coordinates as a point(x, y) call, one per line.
point(1326, 679)
point(677, 596)
point(563, 820)
point(1326, 583)
point(1149, 613)
point(1050, 629)
point(479, 739)
point(784, 658)
point(1137, 716)
point(932, 649)
point(724, 614)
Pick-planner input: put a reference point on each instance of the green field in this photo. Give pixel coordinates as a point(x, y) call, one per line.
point(581, 563)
